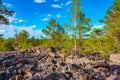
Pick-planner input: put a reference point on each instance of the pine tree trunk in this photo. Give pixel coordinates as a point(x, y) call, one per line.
point(75, 44)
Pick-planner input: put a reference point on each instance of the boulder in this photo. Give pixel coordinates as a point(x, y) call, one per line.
point(55, 76)
point(84, 60)
point(115, 58)
point(100, 64)
point(47, 64)
point(83, 77)
point(112, 77)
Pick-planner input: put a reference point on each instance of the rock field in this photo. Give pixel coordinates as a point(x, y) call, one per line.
point(47, 64)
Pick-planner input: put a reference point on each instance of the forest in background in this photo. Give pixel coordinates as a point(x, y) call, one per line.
point(78, 35)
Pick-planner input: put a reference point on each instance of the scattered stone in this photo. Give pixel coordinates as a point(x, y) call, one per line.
point(46, 64)
point(84, 60)
point(83, 77)
point(115, 58)
point(55, 76)
point(100, 64)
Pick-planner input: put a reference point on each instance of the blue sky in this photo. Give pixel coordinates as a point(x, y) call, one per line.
point(33, 15)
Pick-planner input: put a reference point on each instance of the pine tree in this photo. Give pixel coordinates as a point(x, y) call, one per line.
point(82, 25)
point(4, 13)
point(21, 39)
point(112, 24)
point(54, 31)
point(74, 13)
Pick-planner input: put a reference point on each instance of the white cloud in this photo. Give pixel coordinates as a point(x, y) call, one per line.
point(10, 30)
point(68, 3)
point(21, 20)
point(60, 5)
point(98, 26)
point(7, 5)
point(1, 31)
point(58, 16)
point(14, 19)
point(56, 0)
point(45, 19)
point(49, 15)
point(56, 6)
point(39, 1)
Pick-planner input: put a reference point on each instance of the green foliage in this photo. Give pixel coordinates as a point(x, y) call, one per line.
point(112, 25)
point(82, 25)
point(21, 39)
point(3, 13)
point(96, 33)
point(77, 34)
point(33, 42)
point(55, 32)
point(1, 42)
point(8, 46)
point(46, 42)
point(67, 45)
point(74, 13)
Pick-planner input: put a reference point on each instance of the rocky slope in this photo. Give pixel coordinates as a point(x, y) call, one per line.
point(47, 64)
